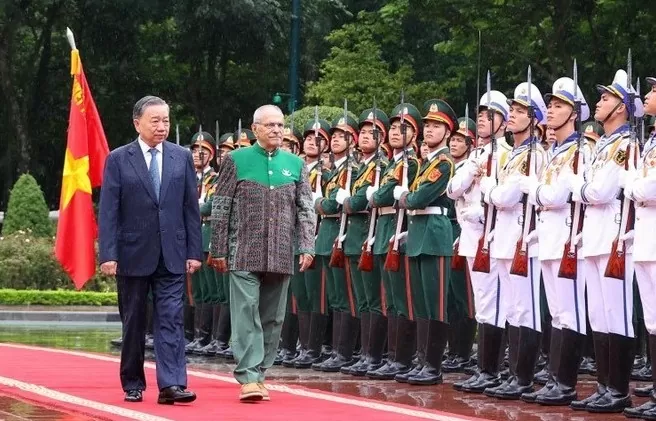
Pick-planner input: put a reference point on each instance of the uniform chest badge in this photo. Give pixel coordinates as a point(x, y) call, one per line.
point(286, 173)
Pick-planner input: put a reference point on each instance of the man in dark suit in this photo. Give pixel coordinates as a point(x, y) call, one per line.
point(150, 235)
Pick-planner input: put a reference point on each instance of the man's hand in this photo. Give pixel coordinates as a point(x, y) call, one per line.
point(109, 268)
point(304, 261)
point(399, 191)
point(220, 264)
point(342, 195)
point(193, 265)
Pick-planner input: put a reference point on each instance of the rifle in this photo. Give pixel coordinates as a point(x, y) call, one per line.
point(519, 264)
point(616, 267)
point(478, 91)
point(482, 258)
point(641, 120)
point(393, 259)
point(366, 262)
point(201, 155)
point(238, 134)
point(569, 262)
point(337, 257)
point(177, 134)
point(318, 168)
point(459, 262)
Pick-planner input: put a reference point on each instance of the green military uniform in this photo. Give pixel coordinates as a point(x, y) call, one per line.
point(341, 295)
point(400, 324)
point(309, 287)
point(367, 285)
point(256, 184)
point(429, 248)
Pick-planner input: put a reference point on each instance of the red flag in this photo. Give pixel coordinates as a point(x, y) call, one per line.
point(86, 151)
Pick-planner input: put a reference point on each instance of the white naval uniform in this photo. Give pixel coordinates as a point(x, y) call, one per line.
point(610, 301)
point(466, 191)
point(643, 192)
point(521, 297)
point(566, 297)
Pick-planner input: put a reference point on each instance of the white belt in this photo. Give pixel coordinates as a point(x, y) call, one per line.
point(648, 204)
point(386, 210)
point(336, 215)
point(431, 210)
point(551, 208)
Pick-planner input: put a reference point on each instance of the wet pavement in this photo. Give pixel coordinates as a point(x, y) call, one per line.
point(96, 338)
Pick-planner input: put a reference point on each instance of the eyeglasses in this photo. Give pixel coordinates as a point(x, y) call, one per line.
point(271, 126)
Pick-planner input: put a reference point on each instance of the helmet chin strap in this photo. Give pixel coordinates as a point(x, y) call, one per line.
point(611, 113)
point(565, 122)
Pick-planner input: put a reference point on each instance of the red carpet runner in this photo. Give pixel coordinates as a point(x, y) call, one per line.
point(89, 384)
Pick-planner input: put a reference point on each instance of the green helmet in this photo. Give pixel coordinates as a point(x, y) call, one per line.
point(227, 140)
point(349, 125)
point(440, 111)
point(410, 113)
point(382, 121)
point(467, 128)
point(592, 130)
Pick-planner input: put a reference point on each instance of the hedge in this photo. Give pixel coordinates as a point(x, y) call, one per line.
point(57, 298)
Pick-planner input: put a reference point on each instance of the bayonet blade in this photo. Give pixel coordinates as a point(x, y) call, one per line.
point(239, 133)
point(629, 69)
point(528, 92)
point(488, 83)
point(177, 134)
point(576, 82)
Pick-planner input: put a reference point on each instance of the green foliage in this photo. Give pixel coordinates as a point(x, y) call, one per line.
point(27, 209)
point(28, 262)
point(306, 114)
point(14, 297)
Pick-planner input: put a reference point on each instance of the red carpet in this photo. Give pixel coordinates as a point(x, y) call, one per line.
point(89, 384)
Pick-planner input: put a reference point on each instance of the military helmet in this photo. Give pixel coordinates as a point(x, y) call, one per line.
point(440, 111)
point(410, 114)
point(592, 130)
point(467, 128)
point(347, 124)
point(203, 140)
point(226, 140)
point(247, 138)
point(382, 121)
point(291, 135)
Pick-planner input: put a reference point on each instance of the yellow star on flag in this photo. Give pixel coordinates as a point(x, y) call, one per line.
point(76, 177)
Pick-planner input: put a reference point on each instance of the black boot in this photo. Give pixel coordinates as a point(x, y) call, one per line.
point(197, 337)
point(551, 368)
point(491, 346)
point(335, 320)
point(385, 371)
point(601, 357)
point(647, 410)
point(188, 320)
point(377, 338)
point(566, 374)
point(462, 352)
point(356, 369)
point(304, 318)
point(343, 351)
point(316, 334)
point(417, 359)
point(513, 353)
point(213, 347)
point(529, 349)
point(288, 339)
point(617, 397)
point(205, 327)
point(225, 331)
point(431, 373)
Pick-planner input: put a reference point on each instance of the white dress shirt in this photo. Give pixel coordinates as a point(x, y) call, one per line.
point(147, 156)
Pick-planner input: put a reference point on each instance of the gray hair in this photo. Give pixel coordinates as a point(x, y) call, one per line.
point(145, 102)
point(264, 109)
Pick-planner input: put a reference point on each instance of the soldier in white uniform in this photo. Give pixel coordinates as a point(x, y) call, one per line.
point(549, 192)
point(610, 301)
point(464, 188)
point(521, 294)
point(641, 188)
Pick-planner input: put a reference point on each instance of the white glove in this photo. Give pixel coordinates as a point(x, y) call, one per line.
point(628, 236)
point(315, 197)
point(371, 241)
point(487, 184)
point(342, 238)
point(402, 236)
point(574, 182)
point(472, 213)
point(342, 195)
point(525, 183)
point(471, 168)
point(626, 178)
point(398, 192)
point(370, 192)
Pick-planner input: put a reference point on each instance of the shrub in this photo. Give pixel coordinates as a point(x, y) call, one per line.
point(306, 114)
point(27, 209)
point(28, 262)
point(57, 298)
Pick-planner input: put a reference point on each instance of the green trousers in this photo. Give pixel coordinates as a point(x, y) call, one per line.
point(341, 296)
point(196, 287)
point(366, 286)
point(395, 285)
point(460, 296)
point(430, 283)
point(300, 291)
point(257, 311)
point(223, 285)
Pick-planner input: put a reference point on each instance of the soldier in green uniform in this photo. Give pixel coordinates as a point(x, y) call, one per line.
point(310, 289)
point(219, 345)
point(366, 285)
point(405, 126)
point(460, 297)
point(430, 241)
point(341, 295)
point(204, 286)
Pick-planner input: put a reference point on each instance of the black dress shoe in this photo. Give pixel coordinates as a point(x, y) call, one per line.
point(583, 404)
point(639, 410)
point(404, 376)
point(133, 396)
point(645, 391)
point(531, 397)
point(611, 401)
point(542, 377)
point(428, 376)
point(175, 394)
point(462, 383)
point(559, 395)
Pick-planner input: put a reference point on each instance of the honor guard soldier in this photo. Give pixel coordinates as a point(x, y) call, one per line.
point(405, 126)
point(341, 296)
point(310, 290)
point(592, 132)
point(641, 188)
point(549, 192)
point(204, 287)
point(521, 293)
point(290, 140)
point(464, 187)
point(462, 329)
point(610, 300)
point(366, 283)
point(430, 241)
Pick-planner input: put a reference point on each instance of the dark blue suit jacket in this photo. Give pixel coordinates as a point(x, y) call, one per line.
point(134, 227)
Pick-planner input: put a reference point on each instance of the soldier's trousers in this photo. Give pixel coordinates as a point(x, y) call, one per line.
point(341, 297)
point(210, 285)
point(298, 289)
point(566, 297)
point(460, 296)
point(610, 300)
point(396, 286)
point(314, 285)
point(368, 287)
point(487, 289)
point(521, 295)
point(430, 284)
point(257, 311)
point(196, 287)
point(646, 277)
